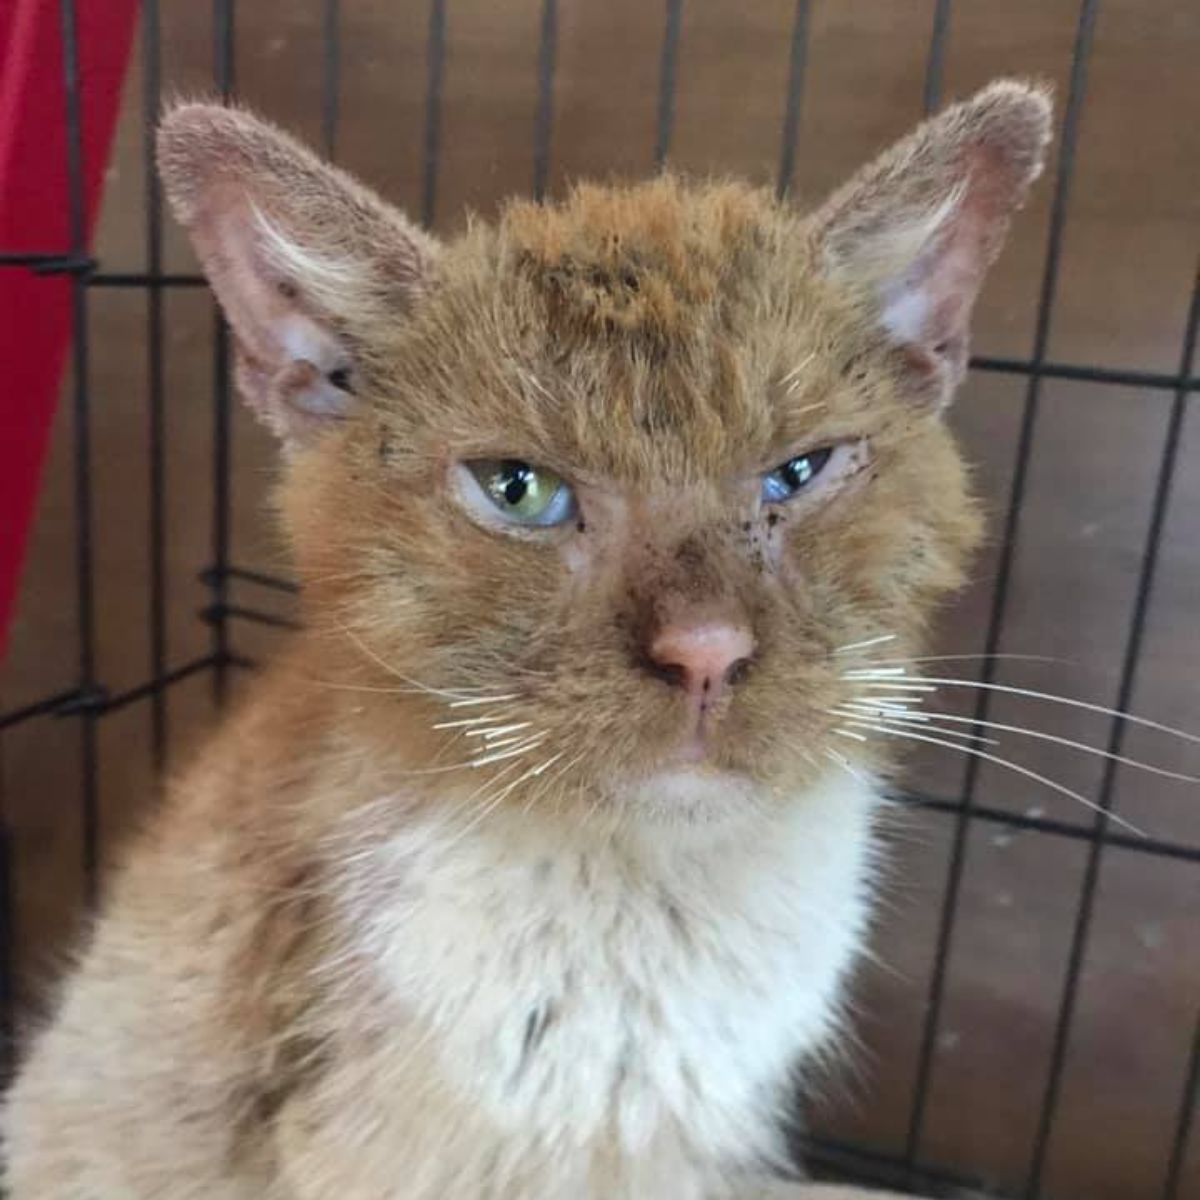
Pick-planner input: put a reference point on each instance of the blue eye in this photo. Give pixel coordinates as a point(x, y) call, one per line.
point(794, 475)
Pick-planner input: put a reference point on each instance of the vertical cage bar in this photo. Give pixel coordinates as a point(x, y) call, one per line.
point(797, 66)
point(223, 47)
point(935, 65)
point(1081, 51)
point(7, 964)
point(331, 77)
point(223, 81)
point(433, 109)
point(81, 408)
point(543, 122)
point(151, 99)
point(1129, 669)
point(1184, 1122)
point(666, 83)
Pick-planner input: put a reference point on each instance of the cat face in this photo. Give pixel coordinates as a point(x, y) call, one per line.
point(600, 496)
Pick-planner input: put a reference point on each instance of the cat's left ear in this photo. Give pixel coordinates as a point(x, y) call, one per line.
point(914, 232)
point(308, 264)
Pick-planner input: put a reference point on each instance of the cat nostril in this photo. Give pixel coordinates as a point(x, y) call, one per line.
point(671, 673)
point(701, 657)
point(737, 672)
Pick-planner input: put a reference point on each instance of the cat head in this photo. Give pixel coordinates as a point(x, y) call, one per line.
point(603, 493)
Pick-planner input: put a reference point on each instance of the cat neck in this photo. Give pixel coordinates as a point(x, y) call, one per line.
point(613, 848)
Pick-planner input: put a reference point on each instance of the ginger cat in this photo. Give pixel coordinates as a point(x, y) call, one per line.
point(535, 869)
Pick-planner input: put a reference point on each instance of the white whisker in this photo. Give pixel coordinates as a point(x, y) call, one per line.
point(901, 687)
point(465, 801)
point(477, 700)
point(551, 761)
point(875, 641)
point(511, 740)
point(440, 770)
point(888, 706)
point(499, 730)
point(858, 737)
point(420, 687)
point(521, 748)
point(1045, 658)
point(488, 806)
point(861, 720)
point(843, 762)
point(1008, 689)
point(1059, 741)
point(1011, 766)
point(537, 793)
point(463, 722)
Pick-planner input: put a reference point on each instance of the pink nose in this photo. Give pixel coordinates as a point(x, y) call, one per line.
point(701, 657)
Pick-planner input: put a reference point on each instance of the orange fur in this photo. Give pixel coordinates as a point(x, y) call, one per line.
point(661, 346)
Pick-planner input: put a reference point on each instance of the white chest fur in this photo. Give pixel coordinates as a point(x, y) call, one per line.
point(602, 991)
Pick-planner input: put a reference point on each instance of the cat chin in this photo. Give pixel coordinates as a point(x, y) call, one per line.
point(696, 795)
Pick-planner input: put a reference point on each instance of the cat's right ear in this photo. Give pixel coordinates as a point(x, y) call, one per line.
point(305, 261)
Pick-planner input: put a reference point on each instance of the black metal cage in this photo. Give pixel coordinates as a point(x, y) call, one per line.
point(82, 707)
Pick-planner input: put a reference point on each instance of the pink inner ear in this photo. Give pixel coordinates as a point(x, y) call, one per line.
point(255, 304)
point(286, 354)
point(916, 230)
point(929, 306)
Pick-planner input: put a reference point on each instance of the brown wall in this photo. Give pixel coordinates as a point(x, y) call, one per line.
point(1128, 265)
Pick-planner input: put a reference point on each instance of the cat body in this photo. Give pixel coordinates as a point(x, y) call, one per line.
point(533, 1009)
point(536, 867)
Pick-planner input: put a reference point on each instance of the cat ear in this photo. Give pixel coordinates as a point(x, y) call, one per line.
point(305, 262)
point(915, 231)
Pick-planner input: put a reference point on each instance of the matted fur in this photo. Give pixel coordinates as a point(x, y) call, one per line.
point(354, 957)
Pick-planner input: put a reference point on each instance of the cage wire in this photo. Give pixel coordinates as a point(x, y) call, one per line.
point(90, 701)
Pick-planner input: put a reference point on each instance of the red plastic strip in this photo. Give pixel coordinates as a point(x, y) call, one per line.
point(35, 321)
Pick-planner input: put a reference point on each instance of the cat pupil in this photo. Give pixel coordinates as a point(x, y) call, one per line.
point(515, 480)
point(799, 471)
point(523, 493)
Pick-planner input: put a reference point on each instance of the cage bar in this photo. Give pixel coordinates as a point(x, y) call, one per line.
point(81, 415)
point(433, 110)
point(1184, 1122)
point(543, 122)
point(668, 65)
point(331, 77)
point(1048, 825)
point(935, 65)
point(797, 66)
point(1058, 214)
point(223, 81)
point(1129, 668)
point(155, 382)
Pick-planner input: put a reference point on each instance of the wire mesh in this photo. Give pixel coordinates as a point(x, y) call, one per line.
point(89, 700)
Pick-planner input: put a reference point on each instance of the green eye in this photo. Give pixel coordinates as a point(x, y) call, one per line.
point(523, 493)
